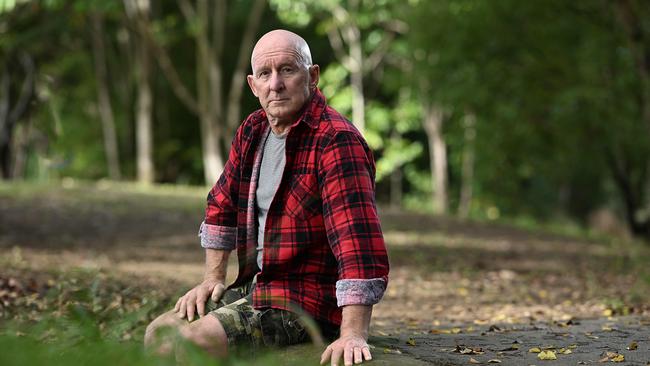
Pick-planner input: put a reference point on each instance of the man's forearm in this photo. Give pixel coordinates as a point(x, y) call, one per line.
point(356, 320)
point(216, 264)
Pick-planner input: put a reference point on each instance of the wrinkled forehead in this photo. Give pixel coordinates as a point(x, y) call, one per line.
point(281, 56)
point(276, 48)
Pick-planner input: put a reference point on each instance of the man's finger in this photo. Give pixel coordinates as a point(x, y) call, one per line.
point(191, 306)
point(181, 308)
point(326, 355)
point(200, 307)
point(348, 355)
point(336, 355)
point(366, 353)
point(357, 355)
point(178, 304)
point(217, 292)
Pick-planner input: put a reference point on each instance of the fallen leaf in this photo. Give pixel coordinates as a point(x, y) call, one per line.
point(534, 350)
point(473, 360)
point(573, 346)
point(633, 346)
point(494, 360)
point(618, 358)
point(410, 342)
point(566, 351)
point(547, 355)
point(464, 350)
point(608, 312)
point(392, 351)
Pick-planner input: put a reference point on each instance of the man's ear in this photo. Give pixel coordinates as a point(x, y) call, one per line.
point(314, 76)
point(251, 84)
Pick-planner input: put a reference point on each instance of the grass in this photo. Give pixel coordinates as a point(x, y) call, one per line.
point(81, 317)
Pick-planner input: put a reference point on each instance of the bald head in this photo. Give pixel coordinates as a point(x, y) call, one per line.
point(282, 39)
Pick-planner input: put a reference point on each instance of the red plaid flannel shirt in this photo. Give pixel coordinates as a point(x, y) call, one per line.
point(323, 240)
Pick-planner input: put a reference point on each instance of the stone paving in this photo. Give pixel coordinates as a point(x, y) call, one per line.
point(622, 341)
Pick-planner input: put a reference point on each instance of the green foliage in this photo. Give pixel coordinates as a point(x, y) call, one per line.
point(555, 88)
point(83, 317)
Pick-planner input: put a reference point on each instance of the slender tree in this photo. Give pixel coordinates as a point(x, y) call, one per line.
point(103, 96)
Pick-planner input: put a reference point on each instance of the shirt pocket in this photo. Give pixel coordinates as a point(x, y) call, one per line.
point(303, 198)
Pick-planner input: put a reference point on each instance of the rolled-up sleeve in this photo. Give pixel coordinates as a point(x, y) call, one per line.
point(219, 227)
point(347, 173)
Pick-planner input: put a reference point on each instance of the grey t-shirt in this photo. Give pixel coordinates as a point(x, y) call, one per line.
point(271, 169)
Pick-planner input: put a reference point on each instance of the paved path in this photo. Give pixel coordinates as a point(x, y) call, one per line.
point(583, 342)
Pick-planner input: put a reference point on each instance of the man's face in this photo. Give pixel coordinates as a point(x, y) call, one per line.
point(282, 82)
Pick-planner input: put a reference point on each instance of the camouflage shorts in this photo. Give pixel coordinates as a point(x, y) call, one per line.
point(247, 326)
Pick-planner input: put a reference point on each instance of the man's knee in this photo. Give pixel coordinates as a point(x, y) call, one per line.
point(167, 320)
point(208, 333)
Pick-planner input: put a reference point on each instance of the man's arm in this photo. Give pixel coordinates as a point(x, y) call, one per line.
point(218, 235)
point(352, 344)
point(216, 266)
point(347, 174)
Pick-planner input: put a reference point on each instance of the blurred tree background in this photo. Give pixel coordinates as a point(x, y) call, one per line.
point(481, 109)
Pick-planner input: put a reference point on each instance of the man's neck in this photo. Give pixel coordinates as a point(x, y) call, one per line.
point(280, 128)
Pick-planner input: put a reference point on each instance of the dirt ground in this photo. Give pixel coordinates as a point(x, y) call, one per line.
point(444, 272)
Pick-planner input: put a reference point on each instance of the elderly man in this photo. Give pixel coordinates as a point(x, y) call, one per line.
point(297, 201)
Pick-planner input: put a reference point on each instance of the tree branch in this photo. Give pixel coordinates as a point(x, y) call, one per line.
point(238, 75)
point(187, 10)
point(337, 45)
point(142, 28)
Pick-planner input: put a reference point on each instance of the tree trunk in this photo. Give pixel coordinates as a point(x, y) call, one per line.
point(237, 83)
point(143, 131)
point(352, 60)
point(628, 13)
point(396, 188)
point(13, 109)
point(632, 188)
point(209, 77)
point(356, 79)
point(103, 98)
point(467, 173)
point(20, 145)
point(433, 121)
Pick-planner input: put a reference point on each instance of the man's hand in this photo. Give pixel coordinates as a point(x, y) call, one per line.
point(352, 347)
point(195, 299)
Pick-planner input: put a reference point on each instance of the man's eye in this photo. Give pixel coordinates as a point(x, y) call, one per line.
point(287, 70)
point(263, 74)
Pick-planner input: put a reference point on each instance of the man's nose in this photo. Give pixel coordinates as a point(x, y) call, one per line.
point(276, 82)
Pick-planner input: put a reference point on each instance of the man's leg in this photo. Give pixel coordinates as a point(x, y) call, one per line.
point(206, 332)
